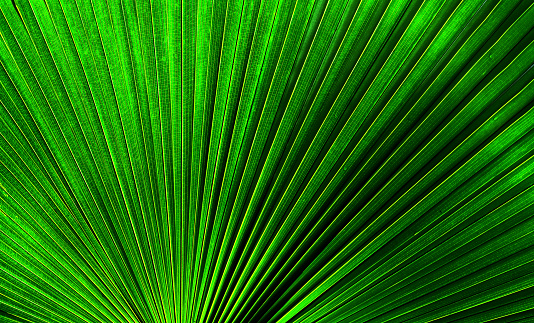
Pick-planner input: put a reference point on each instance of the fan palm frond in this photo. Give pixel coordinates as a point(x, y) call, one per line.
point(266, 161)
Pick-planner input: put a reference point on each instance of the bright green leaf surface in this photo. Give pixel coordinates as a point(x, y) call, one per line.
point(266, 161)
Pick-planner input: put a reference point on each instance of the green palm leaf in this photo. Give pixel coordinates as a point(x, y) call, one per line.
point(266, 161)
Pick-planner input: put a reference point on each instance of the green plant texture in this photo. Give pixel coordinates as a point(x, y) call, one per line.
point(266, 161)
